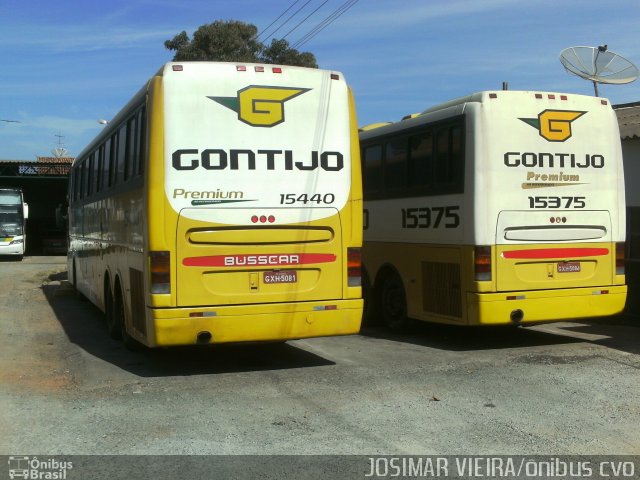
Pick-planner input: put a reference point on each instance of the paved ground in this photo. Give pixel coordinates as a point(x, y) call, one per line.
point(67, 388)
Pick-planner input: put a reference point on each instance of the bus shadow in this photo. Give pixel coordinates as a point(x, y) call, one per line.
point(9, 259)
point(458, 338)
point(84, 325)
point(619, 332)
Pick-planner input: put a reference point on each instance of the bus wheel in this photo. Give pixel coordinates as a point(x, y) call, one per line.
point(130, 343)
point(74, 280)
point(368, 310)
point(393, 303)
point(113, 326)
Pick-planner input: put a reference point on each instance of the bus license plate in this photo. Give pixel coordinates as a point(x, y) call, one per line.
point(568, 267)
point(283, 276)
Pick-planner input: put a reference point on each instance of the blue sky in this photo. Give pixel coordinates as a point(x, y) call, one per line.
point(69, 63)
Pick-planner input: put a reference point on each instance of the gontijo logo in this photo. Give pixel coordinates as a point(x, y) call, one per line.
point(260, 106)
point(554, 125)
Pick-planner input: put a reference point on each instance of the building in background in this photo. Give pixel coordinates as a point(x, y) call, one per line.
point(629, 122)
point(44, 183)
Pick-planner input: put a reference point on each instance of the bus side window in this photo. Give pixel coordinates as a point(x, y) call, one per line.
point(373, 175)
point(83, 179)
point(113, 163)
point(457, 159)
point(132, 141)
point(141, 136)
point(443, 166)
point(395, 164)
point(121, 162)
point(421, 160)
point(106, 164)
point(95, 176)
point(449, 160)
point(77, 183)
point(100, 169)
point(89, 171)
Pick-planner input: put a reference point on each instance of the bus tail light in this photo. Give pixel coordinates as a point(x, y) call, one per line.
point(354, 267)
point(160, 268)
point(620, 258)
point(482, 263)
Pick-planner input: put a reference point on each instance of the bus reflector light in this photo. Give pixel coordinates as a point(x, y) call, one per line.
point(325, 307)
point(482, 263)
point(354, 267)
point(241, 68)
point(263, 219)
point(516, 297)
point(202, 314)
point(176, 68)
point(600, 292)
point(603, 102)
point(335, 76)
point(620, 258)
point(276, 70)
point(538, 95)
point(160, 269)
point(259, 69)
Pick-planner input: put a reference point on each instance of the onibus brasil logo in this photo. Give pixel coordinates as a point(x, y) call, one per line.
point(260, 106)
point(41, 469)
point(554, 125)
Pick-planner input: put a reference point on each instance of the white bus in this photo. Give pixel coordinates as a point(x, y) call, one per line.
point(223, 204)
point(502, 207)
point(13, 215)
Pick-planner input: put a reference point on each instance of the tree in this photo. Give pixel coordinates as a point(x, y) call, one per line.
point(234, 41)
point(279, 52)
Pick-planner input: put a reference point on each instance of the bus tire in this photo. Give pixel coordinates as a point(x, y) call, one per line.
point(74, 277)
point(393, 303)
point(369, 317)
point(113, 327)
point(74, 281)
point(129, 342)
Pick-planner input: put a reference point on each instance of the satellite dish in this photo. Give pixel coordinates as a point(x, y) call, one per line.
point(598, 65)
point(60, 152)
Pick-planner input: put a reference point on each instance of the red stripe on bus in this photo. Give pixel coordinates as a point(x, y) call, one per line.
point(556, 253)
point(260, 260)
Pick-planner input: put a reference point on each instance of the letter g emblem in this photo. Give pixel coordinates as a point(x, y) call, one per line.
point(260, 106)
point(555, 125)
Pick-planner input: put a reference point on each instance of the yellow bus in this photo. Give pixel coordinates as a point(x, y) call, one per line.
point(498, 208)
point(222, 204)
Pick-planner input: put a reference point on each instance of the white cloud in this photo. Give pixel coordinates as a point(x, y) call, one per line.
point(82, 39)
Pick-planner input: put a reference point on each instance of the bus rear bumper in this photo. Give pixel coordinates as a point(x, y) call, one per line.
point(544, 305)
point(255, 323)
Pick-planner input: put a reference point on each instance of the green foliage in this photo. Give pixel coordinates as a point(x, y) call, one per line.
point(234, 41)
point(279, 52)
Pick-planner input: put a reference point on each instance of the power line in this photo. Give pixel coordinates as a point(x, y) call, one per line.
point(279, 17)
point(291, 16)
point(325, 23)
point(304, 20)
